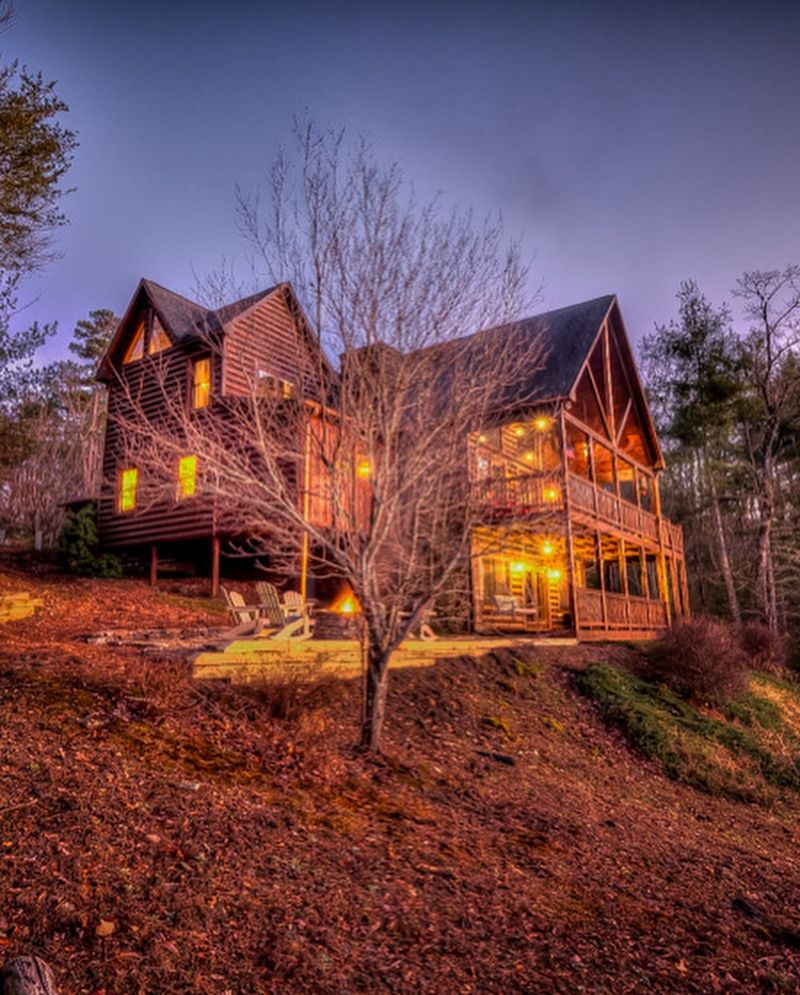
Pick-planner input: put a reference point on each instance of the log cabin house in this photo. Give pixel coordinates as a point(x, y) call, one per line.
point(572, 538)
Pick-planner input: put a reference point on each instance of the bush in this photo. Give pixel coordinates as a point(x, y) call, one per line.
point(78, 545)
point(766, 649)
point(699, 659)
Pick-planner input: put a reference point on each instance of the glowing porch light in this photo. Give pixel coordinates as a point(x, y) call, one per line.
point(541, 424)
point(530, 457)
point(547, 548)
point(518, 568)
point(519, 430)
point(363, 467)
point(483, 438)
point(554, 574)
point(551, 494)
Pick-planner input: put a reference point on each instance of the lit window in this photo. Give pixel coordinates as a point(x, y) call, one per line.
point(287, 389)
point(201, 383)
point(187, 476)
point(126, 492)
point(363, 467)
point(136, 348)
point(159, 340)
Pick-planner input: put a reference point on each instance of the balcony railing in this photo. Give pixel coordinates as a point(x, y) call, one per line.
point(620, 612)
point(604, 505)
point(533, 494)
point(521, 496)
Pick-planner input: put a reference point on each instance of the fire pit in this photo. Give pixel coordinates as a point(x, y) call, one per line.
point(341, 619)
point(336, 625)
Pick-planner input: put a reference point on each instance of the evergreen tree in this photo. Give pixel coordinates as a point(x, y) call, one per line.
point(693, 372)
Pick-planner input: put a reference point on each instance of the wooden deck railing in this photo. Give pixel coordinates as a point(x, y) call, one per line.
point(534, 493)
point(607, 507)
point(517, 497)
point(621, 612)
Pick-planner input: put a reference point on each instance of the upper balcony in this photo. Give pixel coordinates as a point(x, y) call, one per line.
point(592, 504)
point(538, 495)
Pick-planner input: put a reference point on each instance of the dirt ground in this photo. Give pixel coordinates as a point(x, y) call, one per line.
point(159, 835)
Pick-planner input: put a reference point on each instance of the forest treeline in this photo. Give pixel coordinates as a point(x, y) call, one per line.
point(724, 384)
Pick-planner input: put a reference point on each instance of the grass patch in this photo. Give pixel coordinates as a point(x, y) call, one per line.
point(732, 755)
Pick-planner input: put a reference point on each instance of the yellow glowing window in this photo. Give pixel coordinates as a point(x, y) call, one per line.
point(201, 383)
point(187, 476)
point(363, 467)
point(136, 348)
point(126, 497)
point(159, 340)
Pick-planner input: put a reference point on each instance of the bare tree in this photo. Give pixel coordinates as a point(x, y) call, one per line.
point(366, 466)
point(771, 301)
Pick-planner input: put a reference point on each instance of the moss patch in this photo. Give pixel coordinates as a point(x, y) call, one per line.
point(735, 754)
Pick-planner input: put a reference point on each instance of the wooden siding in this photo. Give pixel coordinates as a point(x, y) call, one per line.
point(266, 337)
point(148, 388)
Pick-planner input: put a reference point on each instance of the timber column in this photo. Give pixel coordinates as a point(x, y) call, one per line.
point(573, 593)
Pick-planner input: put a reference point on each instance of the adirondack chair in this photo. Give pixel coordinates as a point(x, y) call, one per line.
point(247, 618)
point(294, 622)
point(293, 602)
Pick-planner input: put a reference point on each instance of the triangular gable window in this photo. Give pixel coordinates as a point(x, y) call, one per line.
point(632, 438)
point(587, 408)
point(620, 386)
point(136, 348)
point(597, 364)
point(159, 340)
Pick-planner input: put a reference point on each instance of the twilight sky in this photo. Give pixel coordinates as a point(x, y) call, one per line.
point(631, 144)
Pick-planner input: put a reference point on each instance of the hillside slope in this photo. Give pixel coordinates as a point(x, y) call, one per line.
point(161, 836)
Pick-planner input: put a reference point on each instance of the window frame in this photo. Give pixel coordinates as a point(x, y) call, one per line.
point(180, 493)
point(193, 384)
point(124, 491)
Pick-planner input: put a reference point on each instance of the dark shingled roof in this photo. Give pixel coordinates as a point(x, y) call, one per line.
point(556, 342)
point(566, 335)
point(184, 320)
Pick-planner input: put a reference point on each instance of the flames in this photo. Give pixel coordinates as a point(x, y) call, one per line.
point(346, 603)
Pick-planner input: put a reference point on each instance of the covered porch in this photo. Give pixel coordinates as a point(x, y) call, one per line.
point(583, 582)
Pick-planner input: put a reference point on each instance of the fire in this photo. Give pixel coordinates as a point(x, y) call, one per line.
point(346, 603)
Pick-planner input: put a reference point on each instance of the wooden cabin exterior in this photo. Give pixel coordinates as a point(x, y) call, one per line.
point(571, 538)
point(169, 347)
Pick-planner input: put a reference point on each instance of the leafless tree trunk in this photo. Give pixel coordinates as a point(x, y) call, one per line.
point(771, 300)
point(724, 558)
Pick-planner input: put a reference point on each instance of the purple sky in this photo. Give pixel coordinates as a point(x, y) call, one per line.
point(632, 145)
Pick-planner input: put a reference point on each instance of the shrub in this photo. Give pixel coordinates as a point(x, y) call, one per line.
point(766, 649)
point(78, 545)
point(700, 659)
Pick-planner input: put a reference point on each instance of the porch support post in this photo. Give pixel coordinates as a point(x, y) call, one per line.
point(684, 588)
point(602, 568)
point(153, 564)
point(214, 566)
point(623, 576)
point(661, 559)
point(573, 591)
